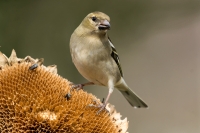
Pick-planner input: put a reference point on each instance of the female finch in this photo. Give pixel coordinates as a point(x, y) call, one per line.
point(96, 58)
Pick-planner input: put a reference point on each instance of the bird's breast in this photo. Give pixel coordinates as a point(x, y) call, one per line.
point(88, 61)
point(93, 60)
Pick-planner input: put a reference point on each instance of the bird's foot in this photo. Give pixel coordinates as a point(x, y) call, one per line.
point(101, 106)
point(78, 86)
point(74, 87)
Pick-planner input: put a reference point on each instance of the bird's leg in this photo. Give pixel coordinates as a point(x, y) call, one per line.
point(103, 106)
point(80, 86)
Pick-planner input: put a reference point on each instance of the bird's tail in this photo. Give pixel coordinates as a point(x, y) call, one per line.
point(130, 96)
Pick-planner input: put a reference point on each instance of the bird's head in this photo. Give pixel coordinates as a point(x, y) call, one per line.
point(96, 22)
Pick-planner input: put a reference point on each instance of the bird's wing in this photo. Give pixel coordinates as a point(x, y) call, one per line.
point(115, 56)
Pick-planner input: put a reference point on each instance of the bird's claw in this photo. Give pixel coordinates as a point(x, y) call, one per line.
point(100, 106)
point(77, 87)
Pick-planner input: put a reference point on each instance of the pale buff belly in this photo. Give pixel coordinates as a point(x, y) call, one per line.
point(93, 72)
point(96, 64)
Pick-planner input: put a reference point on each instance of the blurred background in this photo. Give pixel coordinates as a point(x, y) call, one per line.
point(158, 42)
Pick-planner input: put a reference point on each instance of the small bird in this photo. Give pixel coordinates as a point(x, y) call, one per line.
point(96, 58)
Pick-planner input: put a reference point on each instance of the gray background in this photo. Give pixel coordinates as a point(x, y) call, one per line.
point(158, 42)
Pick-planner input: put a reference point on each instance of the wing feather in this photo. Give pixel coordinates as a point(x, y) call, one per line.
point(115, 56)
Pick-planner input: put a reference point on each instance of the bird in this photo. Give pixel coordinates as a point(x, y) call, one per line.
point(97, 60)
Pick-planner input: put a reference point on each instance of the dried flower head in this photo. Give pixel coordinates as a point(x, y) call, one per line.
point(33, 100)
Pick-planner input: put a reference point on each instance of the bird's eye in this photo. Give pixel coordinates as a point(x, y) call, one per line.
point(94, 18)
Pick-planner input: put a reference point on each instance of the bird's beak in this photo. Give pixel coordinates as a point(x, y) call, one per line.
point(104, 25)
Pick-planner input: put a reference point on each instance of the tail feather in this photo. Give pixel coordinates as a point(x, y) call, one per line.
point(130, 96)
point(133, 99)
